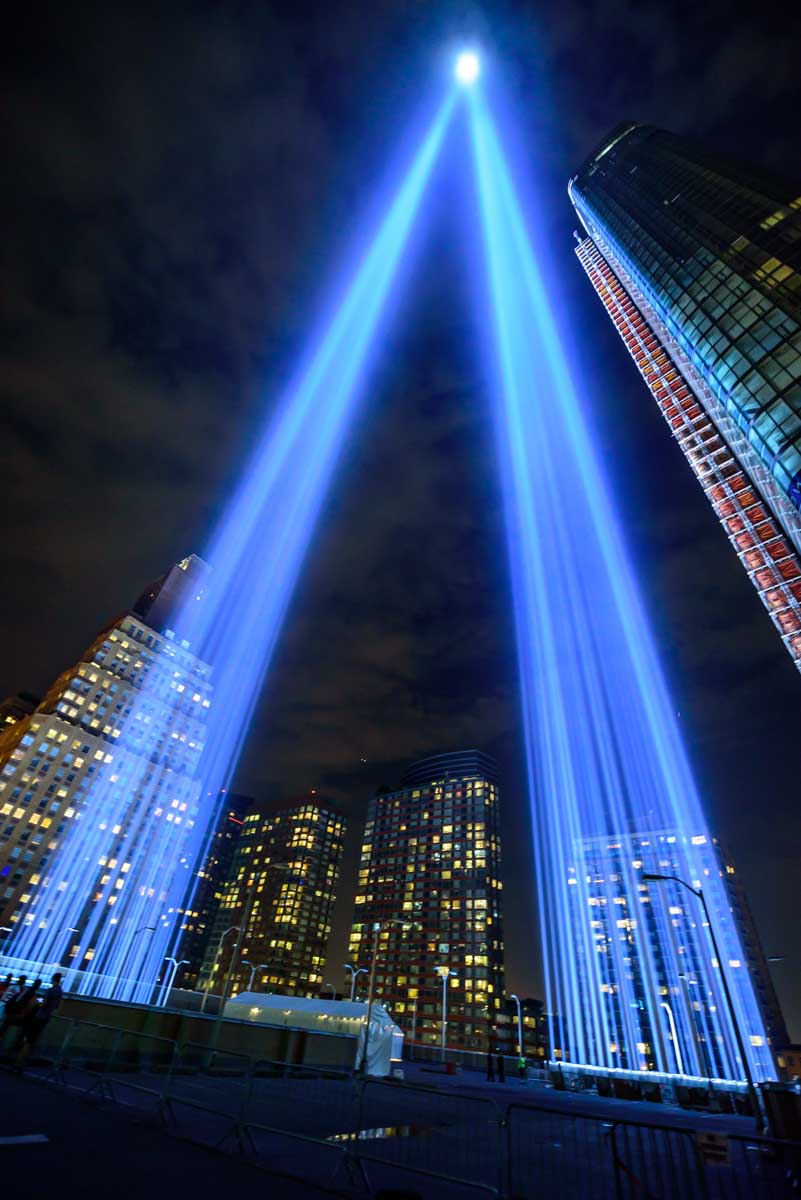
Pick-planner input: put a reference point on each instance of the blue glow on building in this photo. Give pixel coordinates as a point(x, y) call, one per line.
point(128, 839)
point(612, 792)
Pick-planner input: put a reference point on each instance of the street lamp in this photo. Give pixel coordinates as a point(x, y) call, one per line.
point(377, 927)
point(142, 929)
point(445, 973)
point(674, 1035)
point(354, 972)
point(176, 964)
point(738, 1037)
point(519, 1025)
point(223, 936)
point(254, 967)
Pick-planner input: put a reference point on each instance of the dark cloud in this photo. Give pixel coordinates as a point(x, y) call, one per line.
point(181, 183)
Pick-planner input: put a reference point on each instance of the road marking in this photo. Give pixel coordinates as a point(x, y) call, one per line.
point(24, 1139)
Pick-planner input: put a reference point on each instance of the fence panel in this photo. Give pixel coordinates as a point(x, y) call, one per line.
point(315, 1103)
point(659, 1162)
point(742, 1168)
point(429, 1132)
point(209, 1079)
point(554, 1153)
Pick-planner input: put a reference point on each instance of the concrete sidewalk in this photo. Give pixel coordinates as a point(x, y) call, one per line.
point(100, 1152)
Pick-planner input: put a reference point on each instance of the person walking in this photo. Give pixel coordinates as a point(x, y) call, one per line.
point(18, 1007)
point(490, 1068)
point(10, 998)
point(501, 1069)
point(35, 1020)
point(5, 985)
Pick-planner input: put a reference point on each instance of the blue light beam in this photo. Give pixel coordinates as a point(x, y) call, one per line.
point(612, 792)
point(122, 874)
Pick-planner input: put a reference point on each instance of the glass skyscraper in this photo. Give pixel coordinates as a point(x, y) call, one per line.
point(697, 261)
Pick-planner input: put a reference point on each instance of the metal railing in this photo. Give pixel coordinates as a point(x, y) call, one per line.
point(327, 1127)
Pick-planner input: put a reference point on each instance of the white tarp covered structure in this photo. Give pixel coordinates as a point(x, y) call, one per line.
point(343, 1017)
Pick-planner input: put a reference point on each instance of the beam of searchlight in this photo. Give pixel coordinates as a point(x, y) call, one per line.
point(607, 770)
point(143, 851)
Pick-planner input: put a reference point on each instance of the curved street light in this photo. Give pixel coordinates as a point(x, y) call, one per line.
point(738, 1037)
point(354, 972)
point(176, 965)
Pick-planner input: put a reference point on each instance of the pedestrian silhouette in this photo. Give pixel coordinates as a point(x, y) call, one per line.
point(19, 1006)
point(35, 1020)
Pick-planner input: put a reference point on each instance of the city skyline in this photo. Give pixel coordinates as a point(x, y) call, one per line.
point(405, 733)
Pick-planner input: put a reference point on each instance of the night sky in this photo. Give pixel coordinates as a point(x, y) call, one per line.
point(182, 186)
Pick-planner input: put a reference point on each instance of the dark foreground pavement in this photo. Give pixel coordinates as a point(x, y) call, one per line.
point(93, 1152)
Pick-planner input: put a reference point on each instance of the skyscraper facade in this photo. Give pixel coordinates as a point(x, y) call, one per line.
point(697, 260)
point(658, 1001)
point(98, 797)
point(429, 878)
point(203, 902)
point(275, 912)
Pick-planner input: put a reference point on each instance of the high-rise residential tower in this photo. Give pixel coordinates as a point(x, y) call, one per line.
point(429, 879)
point(281, 889)
point(698, 263)
point(98, 797)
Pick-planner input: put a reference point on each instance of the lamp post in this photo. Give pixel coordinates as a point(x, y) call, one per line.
point(142, 929)
point(223, 936)
point(176, 965)
point(254, 967)
point(445, 973)
point(738, 1037)
point(703, 1052)
point(674, 1035)
point(377, 927)
point(519, 1024)
point(354, 972)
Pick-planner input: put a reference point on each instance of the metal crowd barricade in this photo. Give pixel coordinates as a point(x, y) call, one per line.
point(457, 1140)
point(315, 1103)
point(325, 1125)
point(550, 1152)
point(214, 1085)
point(751, 1168)
point(658, 1161)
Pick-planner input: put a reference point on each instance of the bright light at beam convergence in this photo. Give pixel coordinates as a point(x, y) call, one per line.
point(467, 68)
